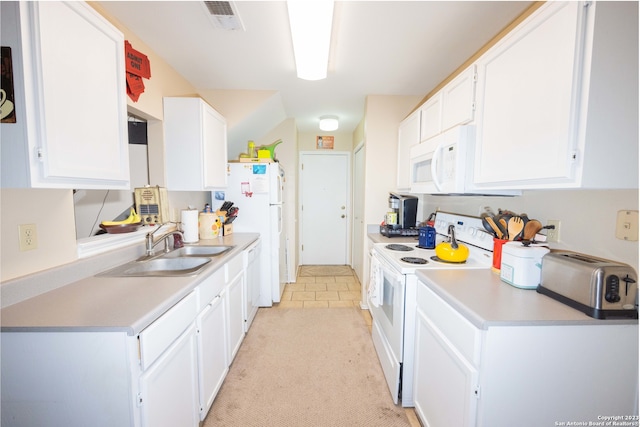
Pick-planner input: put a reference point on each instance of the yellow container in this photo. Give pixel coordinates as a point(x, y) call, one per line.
point(264, 154)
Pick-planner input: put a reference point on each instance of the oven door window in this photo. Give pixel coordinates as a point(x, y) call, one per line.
point(388, 298)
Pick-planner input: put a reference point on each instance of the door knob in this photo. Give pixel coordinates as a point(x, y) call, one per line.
point(342, 207)
point(342, 216)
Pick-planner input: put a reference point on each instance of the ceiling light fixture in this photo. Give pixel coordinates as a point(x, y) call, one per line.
point(328, 123)
point(310, 23)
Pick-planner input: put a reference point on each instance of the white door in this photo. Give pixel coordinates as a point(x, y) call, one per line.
point(324, 208)
point(357, 257)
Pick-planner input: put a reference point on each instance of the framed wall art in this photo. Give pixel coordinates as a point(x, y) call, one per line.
point(324, 142)
point(7, 98)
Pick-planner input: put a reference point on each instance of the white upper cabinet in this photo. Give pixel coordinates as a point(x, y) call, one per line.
point(458, 99)
point(557, 103)
point(431, 117)
point(408, 136)
point(451, 106)
point(195, 145)
point(69, 96)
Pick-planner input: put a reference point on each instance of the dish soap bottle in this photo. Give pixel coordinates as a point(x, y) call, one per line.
point(252, 149)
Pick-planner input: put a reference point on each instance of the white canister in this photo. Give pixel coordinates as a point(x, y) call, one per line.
point(208, 226)
point(521, 266)
point(189, 220)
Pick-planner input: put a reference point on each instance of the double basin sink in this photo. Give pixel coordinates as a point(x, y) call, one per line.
point(185, 261)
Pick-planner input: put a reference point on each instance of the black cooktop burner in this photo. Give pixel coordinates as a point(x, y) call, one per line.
point(398, 247)
point(438, 259)
point(414, 260)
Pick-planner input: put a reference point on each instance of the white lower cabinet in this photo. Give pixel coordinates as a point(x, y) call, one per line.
point(235, 304)
point(520, 373)
point(104, 379)
point(453, 401)
point(169, 389)
point(166, 376)
point(212, 352)
point(168, 393)
point(220, 328)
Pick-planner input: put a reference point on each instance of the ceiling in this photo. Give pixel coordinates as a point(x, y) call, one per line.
point(378, 48)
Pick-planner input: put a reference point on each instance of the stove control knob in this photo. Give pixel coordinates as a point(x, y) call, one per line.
point(471, 231)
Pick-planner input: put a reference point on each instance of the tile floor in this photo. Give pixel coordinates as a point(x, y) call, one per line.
point(330, 291)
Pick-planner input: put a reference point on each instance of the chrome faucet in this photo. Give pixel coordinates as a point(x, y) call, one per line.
point(152, 243)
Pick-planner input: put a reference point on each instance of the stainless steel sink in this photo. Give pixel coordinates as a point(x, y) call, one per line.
point(198, 251)
point(160, 267)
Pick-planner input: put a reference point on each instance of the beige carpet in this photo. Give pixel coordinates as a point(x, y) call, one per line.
point(300, 368)
point(325, 270)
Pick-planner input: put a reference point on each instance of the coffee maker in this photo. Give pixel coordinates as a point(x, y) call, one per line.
point(401, 218)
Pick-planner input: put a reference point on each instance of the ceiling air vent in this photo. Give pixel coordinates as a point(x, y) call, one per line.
point(224, 15)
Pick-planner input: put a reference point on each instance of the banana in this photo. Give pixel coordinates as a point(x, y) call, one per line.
point(131, 219)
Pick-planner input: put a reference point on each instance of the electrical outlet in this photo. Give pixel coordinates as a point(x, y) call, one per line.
point(553, 234)
point(627, 225)
point(28, 235)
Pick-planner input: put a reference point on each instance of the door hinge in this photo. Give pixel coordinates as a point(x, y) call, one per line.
point(475, 77)
point(139, 400)
point(473, 106)
point(476, 391)
point(39, 153)
point(301, 166)
point(302, 247)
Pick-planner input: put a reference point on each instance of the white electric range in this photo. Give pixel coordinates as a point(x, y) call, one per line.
point(393, 287)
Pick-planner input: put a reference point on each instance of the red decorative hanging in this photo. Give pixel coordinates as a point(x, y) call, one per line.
point(137, 68)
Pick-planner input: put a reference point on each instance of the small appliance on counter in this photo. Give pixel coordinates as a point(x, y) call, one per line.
point(152, 204)
point(401, 218)
point(598, 287)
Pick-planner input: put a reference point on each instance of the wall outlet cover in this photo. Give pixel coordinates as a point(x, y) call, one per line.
point(627, 225)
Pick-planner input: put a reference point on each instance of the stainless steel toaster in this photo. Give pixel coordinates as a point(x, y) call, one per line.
point(598, 287)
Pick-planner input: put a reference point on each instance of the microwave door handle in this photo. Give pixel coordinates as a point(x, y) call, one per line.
point(434, 166)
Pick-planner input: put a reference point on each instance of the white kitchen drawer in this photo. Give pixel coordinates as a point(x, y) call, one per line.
point(158, 336)
point(234, 267)
point(459, 331)
point(211, 287)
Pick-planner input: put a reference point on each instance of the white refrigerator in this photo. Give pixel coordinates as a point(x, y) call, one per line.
point(257, 189)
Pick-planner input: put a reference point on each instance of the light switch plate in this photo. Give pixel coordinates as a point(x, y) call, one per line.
point(627, 225)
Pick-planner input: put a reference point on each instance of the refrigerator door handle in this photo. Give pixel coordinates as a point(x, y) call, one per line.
point(279, 219)
point(279, 180)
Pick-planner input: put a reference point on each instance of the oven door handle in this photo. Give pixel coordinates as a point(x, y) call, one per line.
point(386, 267)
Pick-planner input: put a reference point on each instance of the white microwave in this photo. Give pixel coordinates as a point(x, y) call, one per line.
point(443, 164)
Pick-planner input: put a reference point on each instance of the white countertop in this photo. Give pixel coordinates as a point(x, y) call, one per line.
point(485, 300)
point(379, 238)
point(112, 303)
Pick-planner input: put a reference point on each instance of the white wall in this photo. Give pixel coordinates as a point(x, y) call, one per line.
point(587, 217)
point(52, 213)
point(383, 114)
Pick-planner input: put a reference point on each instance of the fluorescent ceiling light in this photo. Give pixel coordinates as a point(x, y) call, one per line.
point(328, 123)
point(310, 23)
